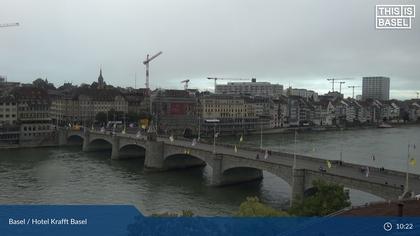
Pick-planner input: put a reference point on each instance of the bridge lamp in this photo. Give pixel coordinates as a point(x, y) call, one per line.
point(214, 122)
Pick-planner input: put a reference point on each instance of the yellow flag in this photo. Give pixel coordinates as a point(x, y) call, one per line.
point(328, 164)
point(241, 139)
point(236, 149)
point(413, 162)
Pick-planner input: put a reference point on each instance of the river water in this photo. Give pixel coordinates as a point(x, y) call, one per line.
point(70, 176)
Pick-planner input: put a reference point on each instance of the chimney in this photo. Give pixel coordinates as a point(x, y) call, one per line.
point(400, 209)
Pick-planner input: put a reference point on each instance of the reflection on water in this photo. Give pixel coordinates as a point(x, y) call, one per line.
point(70, 176)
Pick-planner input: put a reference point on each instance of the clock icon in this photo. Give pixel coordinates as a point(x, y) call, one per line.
point(387, 226)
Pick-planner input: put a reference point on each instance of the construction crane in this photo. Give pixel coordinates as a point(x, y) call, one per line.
point(146, 63)
point(215, 79)
point(337, 81)
point(341, 82)
point(9, 25)
point(185, 83)
point(352, 87)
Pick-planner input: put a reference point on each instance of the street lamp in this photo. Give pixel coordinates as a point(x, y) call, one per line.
point(214, 122)
point(261, 136)
point(294, 153)
point(406, 174)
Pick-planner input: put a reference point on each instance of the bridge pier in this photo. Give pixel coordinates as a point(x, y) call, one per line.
point(298, 185)
point(85, 146)
point(115, 154)
point(216, 178)
point(154, 159)
point(62, 137)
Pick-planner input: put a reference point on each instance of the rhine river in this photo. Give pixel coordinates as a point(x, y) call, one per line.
point(70, 176)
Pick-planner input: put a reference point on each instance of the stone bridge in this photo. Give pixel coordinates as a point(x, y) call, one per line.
point(231, 167)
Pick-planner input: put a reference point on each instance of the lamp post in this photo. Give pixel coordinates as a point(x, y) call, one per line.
point(294, 153)
point(214, 122)
point(214, 139)
point(261, 136)
point(406, 173)
point(341, 145)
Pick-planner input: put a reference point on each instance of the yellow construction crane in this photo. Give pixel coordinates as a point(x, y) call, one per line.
point(215, 79)
point(9, 25)
point(185, 83)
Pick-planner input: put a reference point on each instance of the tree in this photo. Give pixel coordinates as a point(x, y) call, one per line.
point(253, 207)
point(101, 117)
point(328, 198)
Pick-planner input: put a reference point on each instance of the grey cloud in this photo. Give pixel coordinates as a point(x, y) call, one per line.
point(298, 42)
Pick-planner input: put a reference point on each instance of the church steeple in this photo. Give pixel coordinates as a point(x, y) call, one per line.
point(101, 83)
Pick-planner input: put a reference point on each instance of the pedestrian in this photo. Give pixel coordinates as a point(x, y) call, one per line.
point(258, 156)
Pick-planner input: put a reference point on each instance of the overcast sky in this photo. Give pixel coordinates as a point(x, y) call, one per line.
point(296, 43)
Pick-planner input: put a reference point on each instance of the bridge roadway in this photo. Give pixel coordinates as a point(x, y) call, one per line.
point(387, 184)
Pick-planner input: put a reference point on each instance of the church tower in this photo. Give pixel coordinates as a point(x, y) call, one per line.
point(101, 83)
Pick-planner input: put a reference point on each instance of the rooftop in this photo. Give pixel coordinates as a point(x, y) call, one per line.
point(393, 208)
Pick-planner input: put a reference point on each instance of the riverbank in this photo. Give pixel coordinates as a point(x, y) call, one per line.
point(289, 130)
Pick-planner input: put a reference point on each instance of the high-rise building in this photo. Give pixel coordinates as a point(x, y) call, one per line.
point(376, 87)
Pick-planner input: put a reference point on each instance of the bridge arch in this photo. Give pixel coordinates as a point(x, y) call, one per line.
point(248, 172)
point(183, 160)
point(98, 144)
point(281, 171)
point(132, 150)
point(75, 139)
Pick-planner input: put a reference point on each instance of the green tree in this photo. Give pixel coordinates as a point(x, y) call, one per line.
point(328, 198)
point(101, 117)
point(253, 207)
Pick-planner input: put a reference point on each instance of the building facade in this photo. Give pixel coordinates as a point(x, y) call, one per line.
point(376, 88)
point(253, 88)
point(175, 112)
point(8, 110)
point(33, 110)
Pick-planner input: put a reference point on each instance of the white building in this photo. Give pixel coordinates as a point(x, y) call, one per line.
point(303, 93)
point(253, 88)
